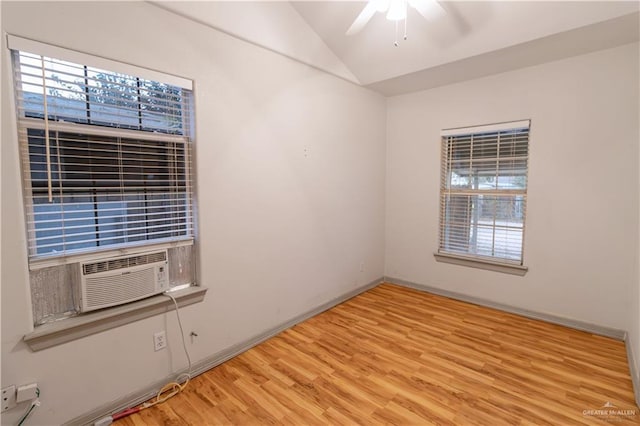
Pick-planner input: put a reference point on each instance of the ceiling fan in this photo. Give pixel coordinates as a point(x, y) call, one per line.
point(396, 10)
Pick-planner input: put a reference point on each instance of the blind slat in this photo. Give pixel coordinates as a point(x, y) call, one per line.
point(94, 242)
point(489, 128)
point(77, 128)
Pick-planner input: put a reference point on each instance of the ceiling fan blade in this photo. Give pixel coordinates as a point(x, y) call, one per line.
point(367, 13)
point(382, 5)
point(430, 9)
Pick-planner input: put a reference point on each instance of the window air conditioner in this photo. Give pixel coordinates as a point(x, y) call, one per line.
point(114, 281)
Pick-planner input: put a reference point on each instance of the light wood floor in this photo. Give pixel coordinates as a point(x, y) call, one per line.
point(398, 356)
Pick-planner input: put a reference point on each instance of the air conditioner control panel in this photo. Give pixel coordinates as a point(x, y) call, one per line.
point(163, 277)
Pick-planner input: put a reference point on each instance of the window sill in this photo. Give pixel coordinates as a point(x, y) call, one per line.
point(56, 333)
point(488, 265)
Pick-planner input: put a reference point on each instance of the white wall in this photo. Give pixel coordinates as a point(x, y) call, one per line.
point(582, 213)
point(280, 232)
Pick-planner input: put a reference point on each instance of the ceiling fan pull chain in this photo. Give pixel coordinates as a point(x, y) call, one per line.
point(405, 26)
point(395, 43)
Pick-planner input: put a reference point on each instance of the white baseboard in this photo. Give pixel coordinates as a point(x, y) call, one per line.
point(138, 397)
point(633, 369)
point(567, 322)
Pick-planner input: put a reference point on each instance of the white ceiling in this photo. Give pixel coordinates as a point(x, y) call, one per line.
point(473, 39)
point(274, 25)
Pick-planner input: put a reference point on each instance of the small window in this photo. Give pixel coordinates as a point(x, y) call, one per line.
point(106, 157)
point(483, 192)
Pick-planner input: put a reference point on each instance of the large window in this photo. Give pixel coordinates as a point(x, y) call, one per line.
point(106, 157)
point(483, 192)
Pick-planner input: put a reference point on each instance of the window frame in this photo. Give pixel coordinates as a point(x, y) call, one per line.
point(467, 258)
point(25, 123)
point(64, 326)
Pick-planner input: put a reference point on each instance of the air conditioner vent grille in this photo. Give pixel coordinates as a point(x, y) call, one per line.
point(123, 262)
point(109, 290)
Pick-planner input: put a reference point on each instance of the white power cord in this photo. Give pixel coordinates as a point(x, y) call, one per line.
point(173, 388)
point(167, 391)
point(34, 404)
point(184, 343)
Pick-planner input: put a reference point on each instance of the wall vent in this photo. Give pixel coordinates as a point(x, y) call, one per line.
point(123, 262)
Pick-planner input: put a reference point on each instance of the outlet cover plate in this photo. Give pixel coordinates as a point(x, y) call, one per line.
point(8, 398)
point(159, 340)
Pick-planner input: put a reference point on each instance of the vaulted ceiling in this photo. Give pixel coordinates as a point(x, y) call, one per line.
point(473, 38)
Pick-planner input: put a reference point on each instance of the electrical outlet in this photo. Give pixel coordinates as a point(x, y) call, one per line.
point(159, 340)
point(361, 266)
point(8, 398)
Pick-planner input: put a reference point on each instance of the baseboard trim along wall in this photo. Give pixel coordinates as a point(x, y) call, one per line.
point(633, 370)
point(578, 325)
point(138, 397)
point(553, 319)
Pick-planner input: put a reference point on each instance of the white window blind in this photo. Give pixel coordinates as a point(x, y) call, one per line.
point(106, 157)
point(483, 191)
point(26, 45)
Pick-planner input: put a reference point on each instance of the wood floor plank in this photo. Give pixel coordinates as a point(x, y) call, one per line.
point(395, 355)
